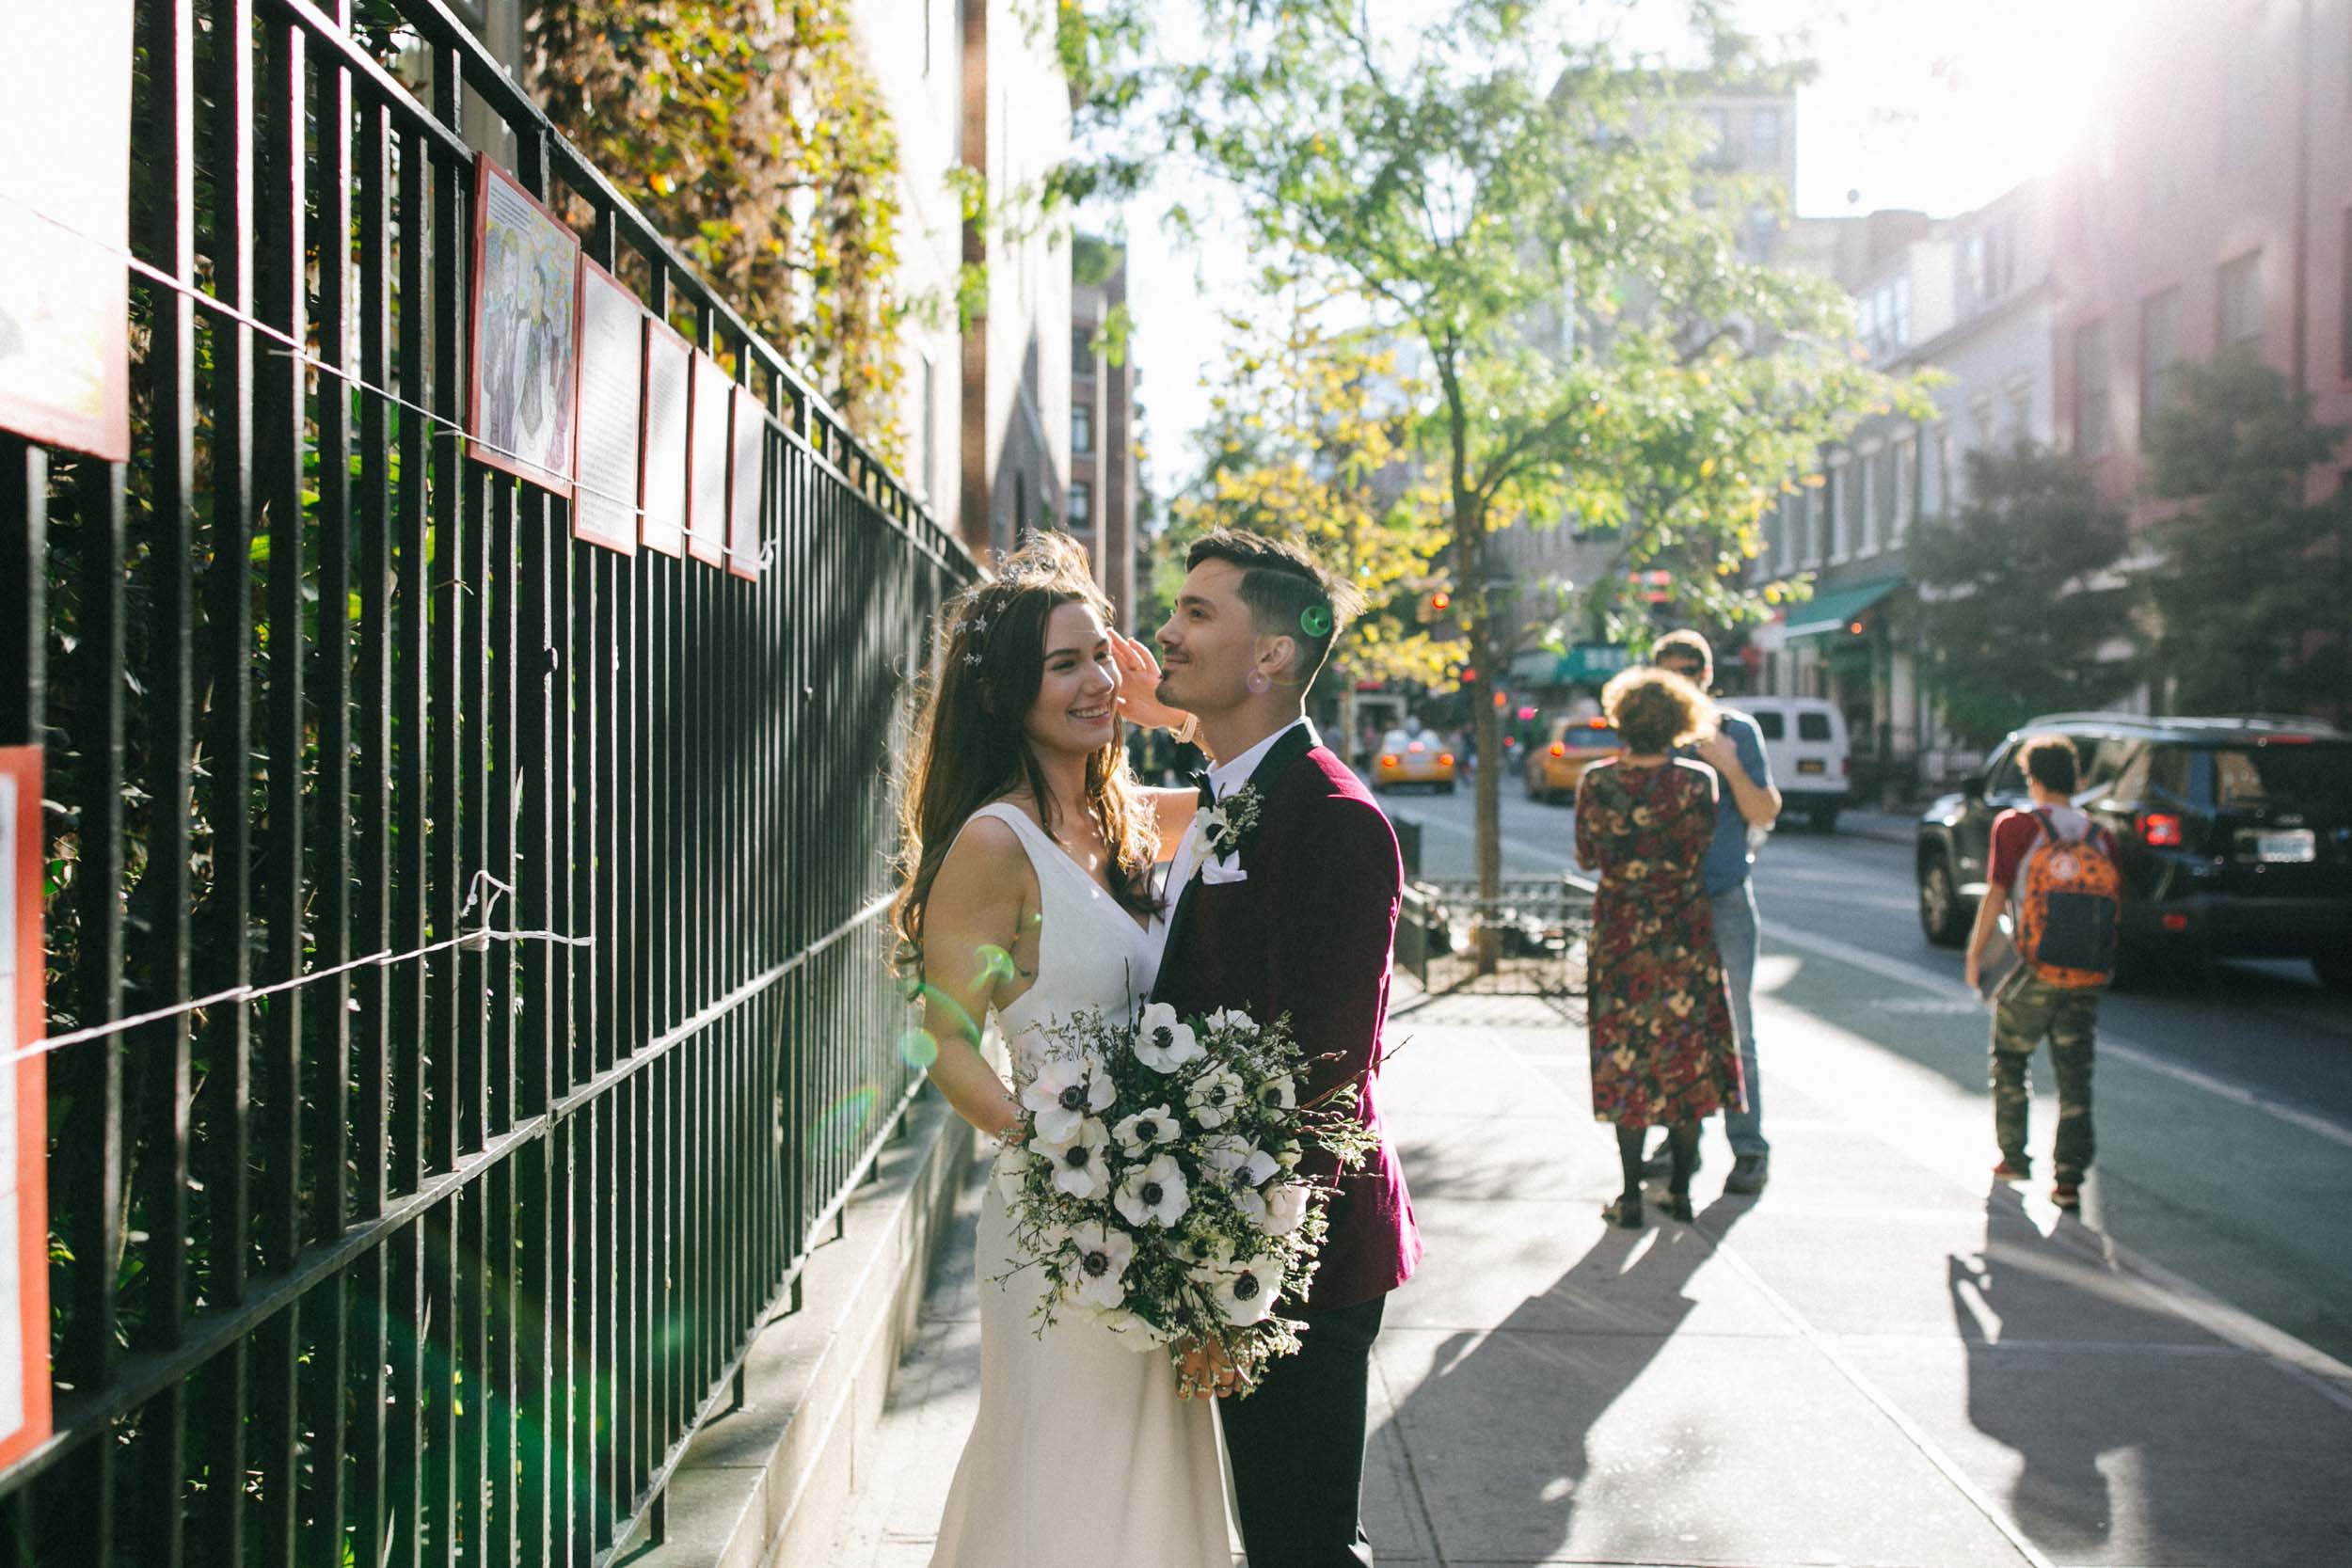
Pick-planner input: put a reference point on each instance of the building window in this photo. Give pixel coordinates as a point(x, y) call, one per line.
point(2091, 389)
point(1934, 471)
point(928, 438)
point(1870, 486)
point(1792, 515)
point(1816, 523)
point(2240, 289)
point(1082, 351)
point(2020, 413)
point(1906, 479)
point(2344, 301)
point(1975, 283)
point(1082, 427)
point(1764, 137)
point(1081, 505)
point(1841, 509)
point(2159, 352)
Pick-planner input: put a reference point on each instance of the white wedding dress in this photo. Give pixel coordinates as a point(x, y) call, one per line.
point(1082, 1453)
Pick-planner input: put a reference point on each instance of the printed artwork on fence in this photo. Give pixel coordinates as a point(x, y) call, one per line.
point(743, 485)
point(611, 386)
point(661, 484)
point(707, 440)
point(525, 271)
point(65, 174)
point(23, 1119)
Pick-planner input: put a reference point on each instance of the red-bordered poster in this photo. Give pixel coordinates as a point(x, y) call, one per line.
point(65, 180)
point(708, 444)
point(525, 289)
point(661, 483)
point(24, 1115)
point(612, 392)
point(743, 480)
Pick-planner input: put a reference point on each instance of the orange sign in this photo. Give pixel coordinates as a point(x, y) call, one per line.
point(23, 1120)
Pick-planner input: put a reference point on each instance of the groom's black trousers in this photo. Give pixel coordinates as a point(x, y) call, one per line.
point(1297, 1446)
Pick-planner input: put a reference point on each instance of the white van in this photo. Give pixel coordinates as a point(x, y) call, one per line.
point(1804, 739)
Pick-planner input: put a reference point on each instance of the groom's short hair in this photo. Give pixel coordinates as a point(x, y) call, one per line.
point(1288, 592)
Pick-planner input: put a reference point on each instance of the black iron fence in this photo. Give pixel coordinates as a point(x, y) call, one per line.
point(466, 997)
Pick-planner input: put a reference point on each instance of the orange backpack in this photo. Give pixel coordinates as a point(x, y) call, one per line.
point(2070, 904)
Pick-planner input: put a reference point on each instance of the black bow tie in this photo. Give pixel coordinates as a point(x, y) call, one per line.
point(1201, 787)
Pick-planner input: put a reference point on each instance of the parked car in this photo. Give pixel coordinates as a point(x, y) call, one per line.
point(1804, 740)
point(1413, 759)
point(1570, 747)
point(2235, 835)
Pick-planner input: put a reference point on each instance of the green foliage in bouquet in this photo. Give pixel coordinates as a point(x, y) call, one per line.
point(1154, 1179)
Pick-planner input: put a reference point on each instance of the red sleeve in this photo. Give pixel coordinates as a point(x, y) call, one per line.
point(1327, 965)
point(2014, 832)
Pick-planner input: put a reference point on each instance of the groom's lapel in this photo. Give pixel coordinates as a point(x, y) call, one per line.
point(1296, 742)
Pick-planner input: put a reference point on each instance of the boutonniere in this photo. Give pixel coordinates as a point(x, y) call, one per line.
point(1226, 825)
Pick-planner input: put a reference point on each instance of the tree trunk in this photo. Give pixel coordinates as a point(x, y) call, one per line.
point(1476, 608)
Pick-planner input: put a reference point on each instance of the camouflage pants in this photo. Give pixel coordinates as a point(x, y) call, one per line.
point(2031, 1011)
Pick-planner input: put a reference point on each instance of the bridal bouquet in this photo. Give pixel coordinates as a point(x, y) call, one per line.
point(1152, 1177)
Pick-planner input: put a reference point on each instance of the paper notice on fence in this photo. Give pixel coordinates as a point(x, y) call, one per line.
point(661, 483)
point(611, 389)
point(65, 172)
point(23, 1203)
point(708, 437)
point(743, 476)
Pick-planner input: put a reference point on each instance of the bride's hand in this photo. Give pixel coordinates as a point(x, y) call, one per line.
point(1206, 1373)
point(1138, 685)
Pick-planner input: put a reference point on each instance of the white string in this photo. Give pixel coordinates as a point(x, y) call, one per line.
point(478, 941)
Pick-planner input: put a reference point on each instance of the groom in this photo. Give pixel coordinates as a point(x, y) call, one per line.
point(1297, 920)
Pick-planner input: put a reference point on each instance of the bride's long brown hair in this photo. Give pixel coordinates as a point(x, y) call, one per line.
point(970, 743)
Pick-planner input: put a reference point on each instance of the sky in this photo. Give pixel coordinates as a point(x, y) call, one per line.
point(1936, 105)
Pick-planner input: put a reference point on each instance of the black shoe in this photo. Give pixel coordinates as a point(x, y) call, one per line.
point(1625, 1213)
point(1749, 1173)
point(1679, 1207)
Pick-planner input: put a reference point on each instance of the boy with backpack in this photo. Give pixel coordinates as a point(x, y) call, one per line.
point(2060, 871)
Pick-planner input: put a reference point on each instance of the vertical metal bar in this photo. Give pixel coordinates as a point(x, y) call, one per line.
point(323, 1407)
point(168, 241)
point(95, 1194)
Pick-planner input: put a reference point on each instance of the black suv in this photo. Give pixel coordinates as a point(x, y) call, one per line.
point(2234, 835)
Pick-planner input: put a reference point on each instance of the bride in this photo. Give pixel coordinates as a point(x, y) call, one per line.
point(1027, 860)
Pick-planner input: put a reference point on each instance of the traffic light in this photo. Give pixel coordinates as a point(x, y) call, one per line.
point(1434, 606)
point(1654, 586)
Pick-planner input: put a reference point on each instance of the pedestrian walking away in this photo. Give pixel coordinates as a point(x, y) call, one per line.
point(1746, 805)
point(2056, 870)
point(1662, 1047)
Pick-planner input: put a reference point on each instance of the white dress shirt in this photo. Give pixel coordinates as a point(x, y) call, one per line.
point(1225, 778)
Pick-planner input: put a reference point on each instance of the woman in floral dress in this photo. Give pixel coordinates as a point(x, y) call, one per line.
point(1663, 1050)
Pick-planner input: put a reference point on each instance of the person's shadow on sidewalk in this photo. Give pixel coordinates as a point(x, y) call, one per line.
point(1496, 1429)
point(2030, 1311)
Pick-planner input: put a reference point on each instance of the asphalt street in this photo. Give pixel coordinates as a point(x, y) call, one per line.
point(2224, 1100)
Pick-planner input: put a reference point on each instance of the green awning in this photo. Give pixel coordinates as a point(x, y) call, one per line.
point(1836, 609)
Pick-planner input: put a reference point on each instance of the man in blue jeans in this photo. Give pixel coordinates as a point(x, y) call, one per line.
point(1746, 799)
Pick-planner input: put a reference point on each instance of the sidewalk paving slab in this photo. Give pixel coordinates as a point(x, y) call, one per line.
point(1876, 1364)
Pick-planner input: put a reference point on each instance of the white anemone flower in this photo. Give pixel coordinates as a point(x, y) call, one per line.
point(1236, 1161)
point(1080, 1168)
point(1066, 1091)
point(1243, 1288)
point(1286, 1207)
point(1250, 1204)
point(1279, 1093)
point(1165, 1043)
point(1214, 1096)
point(1139, 1134)
point(1232, 1019)
point(1155, 1193)
point(1104, 1255)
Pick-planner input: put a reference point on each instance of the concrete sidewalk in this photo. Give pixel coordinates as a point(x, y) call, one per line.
point(1876, 1363)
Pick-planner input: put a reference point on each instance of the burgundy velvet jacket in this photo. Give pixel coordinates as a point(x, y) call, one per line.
point(1310, 934)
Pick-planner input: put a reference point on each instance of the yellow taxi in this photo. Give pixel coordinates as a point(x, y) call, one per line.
point(1554, 766)
point(1417, 758)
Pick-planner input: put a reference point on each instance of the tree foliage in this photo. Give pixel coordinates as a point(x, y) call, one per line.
point(2021, 594)
point(1537, 221)
point(2253, 578)
point(751, 135)
point(1309, 439)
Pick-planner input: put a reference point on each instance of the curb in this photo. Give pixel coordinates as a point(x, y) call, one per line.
point(766, 1485)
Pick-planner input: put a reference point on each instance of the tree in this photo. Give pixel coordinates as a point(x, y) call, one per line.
point(750, 133)
point(1533, 218)
point(2021, 594)
point(2253, 578)
point(1306, 439)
